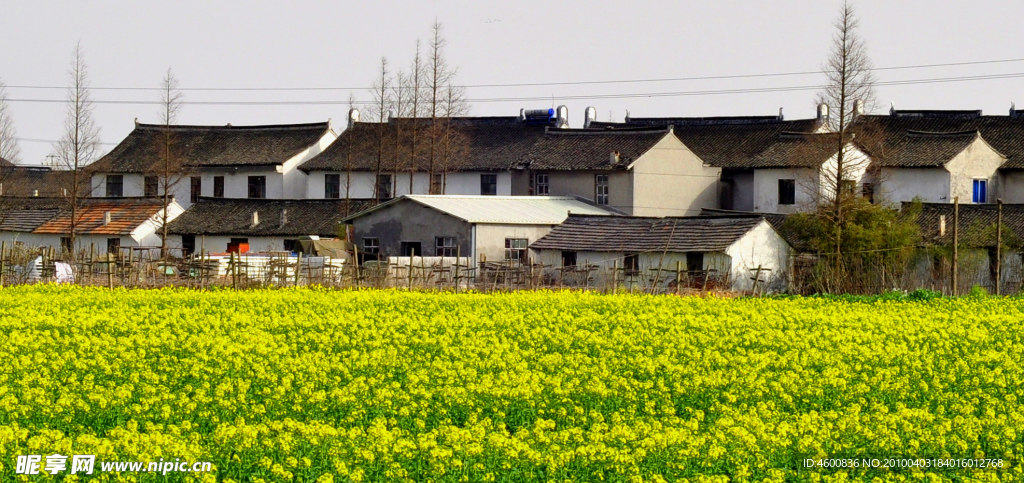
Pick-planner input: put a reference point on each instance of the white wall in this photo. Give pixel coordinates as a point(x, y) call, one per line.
point(761, 246)
point(669, 180)
point(896, 185)
point(362, 183)
point(219, 244)
point(1013, 186)
point(812, 185)
point(978, 161)
point(490, 238)
point(134, 185)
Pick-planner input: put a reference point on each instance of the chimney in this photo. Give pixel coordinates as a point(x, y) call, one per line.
point(106, 217)
point(1013, 110)
point(522, 114)
point(615, 157)
point(627, 115)
point(391, 114)
point(858, 108)
point(780, 115)
point(822, 112)
point(353, 116)
point(562, 117)
point(284, 217)
point(255, 218)
point(892, 108)
point(590, 115)
point(35, 193)
point(942, 225)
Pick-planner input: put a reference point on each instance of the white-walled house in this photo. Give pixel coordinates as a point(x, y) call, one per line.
point(939, 167)
point(641, 171)
point(483, 228)
point(221, 225)
point(104, 224)
point(217, 161)
point(936, 155)
point(471, 156)
point(709, 251)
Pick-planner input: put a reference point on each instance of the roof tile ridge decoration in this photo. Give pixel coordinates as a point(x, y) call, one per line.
point(713, 120)
point(937, 114)
point(230, 127)
point(940, 134)
point(602, 131)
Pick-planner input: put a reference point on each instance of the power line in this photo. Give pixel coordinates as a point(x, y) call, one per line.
point(937, 80)
point(537, 84)
point(51, 141)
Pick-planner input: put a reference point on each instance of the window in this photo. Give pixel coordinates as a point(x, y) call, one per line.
point(115, 186)
point(238, 245)
point(196, 189)
point(65, 244)
point(218, 186)
point(436, 183)
point(113, 245)
point(445, 246)
point(867, 190)
point(332, 186)
point(258, 187)
point(371, 245)
point(848, 186)
point(568, 259)
point(383, 186)
point(631, 264)
point(292, 245)
point(541, 184)
point(694, 262)
point(488, 184)
point(411, 249)
point(601, 189)
point(787, 192)
point(980, 191)
point(515, 249)
point(151, 186)
point(188, 245)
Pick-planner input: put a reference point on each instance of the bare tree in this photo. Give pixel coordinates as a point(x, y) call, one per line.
point(848, 91)
point(416, 78)
point(400, 96)
point(454, 106)
point(9, 149)
point(80, 141)
point(379, 110)
point(349, 148)
point(439, 75)
point(172, 169)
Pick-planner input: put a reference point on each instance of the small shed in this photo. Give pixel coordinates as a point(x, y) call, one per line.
point(484, 228)
point(721, 251)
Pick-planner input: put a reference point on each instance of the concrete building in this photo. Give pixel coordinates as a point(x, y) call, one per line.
point(484, 228)
point(710, 251)
point(257, 162)
point(221, 225)
point(104, 224)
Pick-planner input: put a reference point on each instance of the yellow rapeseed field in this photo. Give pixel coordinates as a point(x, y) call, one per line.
point(325, 386)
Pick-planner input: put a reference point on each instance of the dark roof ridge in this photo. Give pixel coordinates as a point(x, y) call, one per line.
point(229, 127)
point(969, 132)
point(599, 131)
point(937, 113)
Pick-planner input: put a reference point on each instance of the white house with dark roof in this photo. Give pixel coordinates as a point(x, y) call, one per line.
point(639, 171)
point(218, 161)
point(939, 155)
point(471, 155)
point(720, 251)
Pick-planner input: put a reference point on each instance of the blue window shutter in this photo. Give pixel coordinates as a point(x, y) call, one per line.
point(984, 188)
point(975, 199)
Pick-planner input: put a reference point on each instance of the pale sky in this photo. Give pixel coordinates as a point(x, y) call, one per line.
point(263, 44)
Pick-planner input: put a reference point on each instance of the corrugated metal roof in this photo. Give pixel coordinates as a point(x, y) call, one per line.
point(504, 210)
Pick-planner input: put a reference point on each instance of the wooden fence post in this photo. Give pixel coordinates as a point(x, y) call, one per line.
point(615, 276)
point(458, 260)
point(999, 245)
point(3, 255)
point(298, 267)
point(956, 246)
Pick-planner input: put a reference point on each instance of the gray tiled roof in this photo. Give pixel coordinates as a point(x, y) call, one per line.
point(726, 142)
point(228, 216)
point(568, 149)
point(27, 181)
point(646, 234)
point(975, 226)
point(1004, 133)
point(475, 143)
point(918, 149)
point(211, 146)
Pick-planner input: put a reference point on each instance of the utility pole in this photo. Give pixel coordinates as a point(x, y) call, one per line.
point(956, 244)
point(999, 245)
